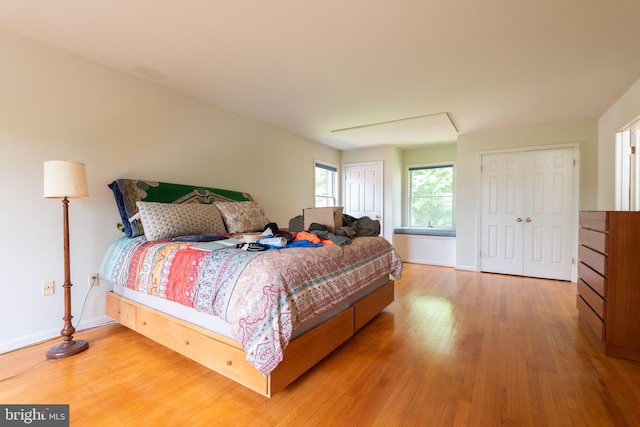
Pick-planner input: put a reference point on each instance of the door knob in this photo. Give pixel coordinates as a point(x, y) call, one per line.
point(528, 219)
point(519, 220)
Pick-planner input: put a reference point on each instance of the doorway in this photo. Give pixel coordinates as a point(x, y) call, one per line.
point(527, 219)
point(363, 193)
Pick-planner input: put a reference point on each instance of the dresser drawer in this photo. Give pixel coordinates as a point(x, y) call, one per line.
point(591, 297)
point(596, 240)
point(591, 319)
point(596, 220)
point(593, 259)
point(596, 281)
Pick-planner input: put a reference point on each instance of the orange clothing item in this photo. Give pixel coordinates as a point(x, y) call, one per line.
point(305, 235)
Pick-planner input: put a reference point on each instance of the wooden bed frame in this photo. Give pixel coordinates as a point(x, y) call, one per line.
point(227, 357)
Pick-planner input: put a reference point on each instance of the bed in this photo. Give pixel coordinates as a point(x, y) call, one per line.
point(260, 318)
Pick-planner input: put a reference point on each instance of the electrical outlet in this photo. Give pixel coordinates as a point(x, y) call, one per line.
point(93, 280)
point(47, 287)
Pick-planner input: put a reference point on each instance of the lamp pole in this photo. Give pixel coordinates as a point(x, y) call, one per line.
point(68, 347)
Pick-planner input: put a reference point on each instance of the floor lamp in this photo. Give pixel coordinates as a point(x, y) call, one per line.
point(65, 180)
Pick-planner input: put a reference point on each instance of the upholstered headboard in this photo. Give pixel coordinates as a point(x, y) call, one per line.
point(129, 191)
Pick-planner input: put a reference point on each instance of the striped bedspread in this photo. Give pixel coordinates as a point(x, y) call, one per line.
point(262, 295)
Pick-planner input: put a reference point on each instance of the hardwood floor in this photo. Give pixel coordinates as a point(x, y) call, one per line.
point(456, 348)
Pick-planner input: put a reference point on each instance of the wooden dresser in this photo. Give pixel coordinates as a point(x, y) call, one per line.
point(609, 280)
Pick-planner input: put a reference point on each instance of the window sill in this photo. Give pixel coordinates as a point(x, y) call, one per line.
point(425, 231)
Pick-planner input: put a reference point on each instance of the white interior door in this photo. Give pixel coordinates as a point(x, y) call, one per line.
point(363, 190)
point(527, 219)
point(502, 206)
point(548, 225)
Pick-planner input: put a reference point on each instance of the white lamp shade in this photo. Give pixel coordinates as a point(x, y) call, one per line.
point(63, 178)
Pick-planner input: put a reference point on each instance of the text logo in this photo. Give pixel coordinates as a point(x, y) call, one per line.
point(34, 415)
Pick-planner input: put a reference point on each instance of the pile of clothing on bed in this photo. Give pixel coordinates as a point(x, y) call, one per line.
point(351, 227)
point(317, 234)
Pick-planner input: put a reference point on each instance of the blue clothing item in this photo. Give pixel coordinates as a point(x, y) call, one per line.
point(199, 238)
point(302, 244)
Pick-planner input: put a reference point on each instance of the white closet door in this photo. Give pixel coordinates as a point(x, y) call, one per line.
point(527, 213)
point(501, 220)
point(548, 210)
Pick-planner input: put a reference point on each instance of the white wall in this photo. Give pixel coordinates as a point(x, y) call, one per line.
point(421, 249)
point(54, 105)
point(467, 165)
point(439, 153)
point(623, 112)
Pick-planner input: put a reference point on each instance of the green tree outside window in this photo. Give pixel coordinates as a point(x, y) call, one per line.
point(431, 196)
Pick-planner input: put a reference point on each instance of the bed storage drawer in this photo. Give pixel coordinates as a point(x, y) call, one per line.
point(205, 347)
point(166, 332)
point(121, 311)
point(368, 307)
point(196, 344)
point(308, 349)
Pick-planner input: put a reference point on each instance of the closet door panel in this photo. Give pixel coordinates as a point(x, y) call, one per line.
point(501, 223)
point(548, 211)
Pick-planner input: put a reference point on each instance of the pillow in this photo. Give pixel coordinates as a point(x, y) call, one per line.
point(129, 191)
point(166, 220)
point(242, 217)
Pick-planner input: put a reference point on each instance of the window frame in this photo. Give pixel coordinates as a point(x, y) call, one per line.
point(321, 164)
point(409, 197)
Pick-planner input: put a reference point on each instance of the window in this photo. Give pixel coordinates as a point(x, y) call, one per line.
point(628, 168)
point(431, 196)
point(326, 185)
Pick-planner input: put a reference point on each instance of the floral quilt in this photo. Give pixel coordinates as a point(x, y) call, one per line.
point(264, 296)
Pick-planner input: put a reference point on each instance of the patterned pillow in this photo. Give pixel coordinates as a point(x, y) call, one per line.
point(242, 217)
point(166, 220)
point(129, 191)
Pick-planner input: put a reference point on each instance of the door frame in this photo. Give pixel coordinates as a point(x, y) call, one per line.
point(576, 200)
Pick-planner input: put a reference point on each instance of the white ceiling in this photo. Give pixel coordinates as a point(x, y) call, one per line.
point(313, 67)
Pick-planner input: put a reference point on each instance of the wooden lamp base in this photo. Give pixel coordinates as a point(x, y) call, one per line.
point(67, 348)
